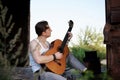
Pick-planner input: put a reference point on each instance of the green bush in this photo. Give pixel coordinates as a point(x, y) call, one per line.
point(89, 40)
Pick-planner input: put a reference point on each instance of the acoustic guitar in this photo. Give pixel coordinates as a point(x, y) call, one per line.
point(58, 66)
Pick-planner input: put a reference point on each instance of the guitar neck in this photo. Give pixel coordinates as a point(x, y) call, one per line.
point(65, 40)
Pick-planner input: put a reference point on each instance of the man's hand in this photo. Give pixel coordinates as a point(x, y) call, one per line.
point(70, 35)
point(58, 55)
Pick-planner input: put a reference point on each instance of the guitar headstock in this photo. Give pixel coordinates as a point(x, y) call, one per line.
point(70, 23)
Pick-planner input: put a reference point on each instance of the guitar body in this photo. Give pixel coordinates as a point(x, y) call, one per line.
point(57, 66)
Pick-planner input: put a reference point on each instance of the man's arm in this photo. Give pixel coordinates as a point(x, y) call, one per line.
point(35, 50)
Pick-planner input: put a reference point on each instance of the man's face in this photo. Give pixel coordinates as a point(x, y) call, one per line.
point(48, 31)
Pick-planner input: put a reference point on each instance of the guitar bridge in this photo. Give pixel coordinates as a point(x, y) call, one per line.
point(57, 61)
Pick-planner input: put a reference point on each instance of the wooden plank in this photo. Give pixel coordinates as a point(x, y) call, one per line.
point(115, 15)
point(115, 3)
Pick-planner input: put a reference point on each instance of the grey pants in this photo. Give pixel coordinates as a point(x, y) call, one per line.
point(51, 76)
point(74, 63)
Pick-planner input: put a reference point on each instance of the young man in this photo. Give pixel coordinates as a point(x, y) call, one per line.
point(39, 46)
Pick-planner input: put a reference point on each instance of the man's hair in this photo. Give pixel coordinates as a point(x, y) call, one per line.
point(41, 27)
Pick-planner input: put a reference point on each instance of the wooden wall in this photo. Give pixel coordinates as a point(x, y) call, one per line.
point(112, 37)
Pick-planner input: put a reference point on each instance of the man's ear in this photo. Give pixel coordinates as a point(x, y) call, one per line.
point(43, 33)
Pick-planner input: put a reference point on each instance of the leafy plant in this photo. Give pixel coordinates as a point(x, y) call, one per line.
point(89, 40)
point(9, 45)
